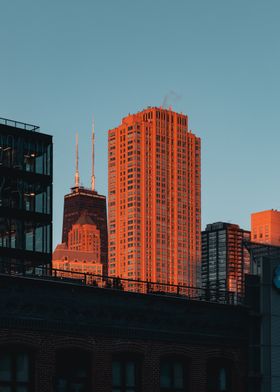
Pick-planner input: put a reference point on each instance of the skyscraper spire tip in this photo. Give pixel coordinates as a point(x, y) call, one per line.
point(77, 177)
point(92, 162)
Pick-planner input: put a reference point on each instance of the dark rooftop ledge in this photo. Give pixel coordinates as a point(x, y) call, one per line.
point(18, 124)
point(103, 282)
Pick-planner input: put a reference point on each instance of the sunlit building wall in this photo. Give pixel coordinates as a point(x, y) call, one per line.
point(265, 227)
point(154, 198)
point(82, 252)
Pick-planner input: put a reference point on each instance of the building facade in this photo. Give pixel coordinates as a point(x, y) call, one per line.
point(86, 201)
point(58, 336)
point(25, 194)
point(265, 227)
point(82, 252)
point(154, 198)
point(84, 247)
point(225, 260)
point(263, 297)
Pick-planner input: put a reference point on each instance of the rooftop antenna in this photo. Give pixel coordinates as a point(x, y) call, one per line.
point(77, 177)
point(92, 162)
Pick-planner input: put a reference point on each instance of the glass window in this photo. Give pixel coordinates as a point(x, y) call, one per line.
point(15, 371)
point(219, 376)
point(73, 369)
point(125, 374)
point(172, 375)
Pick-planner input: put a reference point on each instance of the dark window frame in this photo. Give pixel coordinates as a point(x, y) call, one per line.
point(14, 352)
point(124, 358)
point(171, 360)
point(214, 366)
point(64, 361)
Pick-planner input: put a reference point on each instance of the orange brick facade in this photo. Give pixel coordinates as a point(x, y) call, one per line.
point(154, 198)
point(265, 227)
point(82, 254)
point(86, 238)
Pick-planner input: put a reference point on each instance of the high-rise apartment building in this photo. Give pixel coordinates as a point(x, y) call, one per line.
point(224, 260)
point(154, 198)
point(265, 227)
point(25, 194)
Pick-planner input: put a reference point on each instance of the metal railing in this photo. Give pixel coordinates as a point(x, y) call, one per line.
point(122, 284)
point(18, 124)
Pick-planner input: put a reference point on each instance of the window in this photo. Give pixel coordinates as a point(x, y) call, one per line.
point(172, 375)
point(72, 371)
point(15, 371)
point(125, 374)
point(219, 376)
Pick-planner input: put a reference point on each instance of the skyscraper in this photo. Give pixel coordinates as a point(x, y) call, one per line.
point(89, 202)
point(265, 227)
point(25, 194)
point(225, 261)
point(154, 198)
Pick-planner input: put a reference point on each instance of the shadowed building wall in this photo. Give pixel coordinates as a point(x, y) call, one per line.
point(75, 337)
point(25, 194)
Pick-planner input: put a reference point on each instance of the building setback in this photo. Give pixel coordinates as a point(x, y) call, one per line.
point(154, 198)
point(265, 227)
point(25, 194)
point(225, 260)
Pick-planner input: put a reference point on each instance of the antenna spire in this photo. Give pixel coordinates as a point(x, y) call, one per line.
point(77, 177)
point(92, 162)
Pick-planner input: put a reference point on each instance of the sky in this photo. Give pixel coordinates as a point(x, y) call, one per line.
point(63, 62)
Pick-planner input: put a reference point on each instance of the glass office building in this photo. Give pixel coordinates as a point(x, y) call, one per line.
point(25, 194)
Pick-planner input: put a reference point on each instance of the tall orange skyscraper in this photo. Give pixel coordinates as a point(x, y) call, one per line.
point(154, 198)
point(265, 227)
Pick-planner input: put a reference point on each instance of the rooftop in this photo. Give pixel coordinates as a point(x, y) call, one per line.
point(19, 124)
point(64, 277)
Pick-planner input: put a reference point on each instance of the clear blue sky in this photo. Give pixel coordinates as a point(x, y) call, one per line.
point(63, 61)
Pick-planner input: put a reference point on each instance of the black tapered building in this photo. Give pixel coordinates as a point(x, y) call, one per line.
point(25, 194)
point(85, 201)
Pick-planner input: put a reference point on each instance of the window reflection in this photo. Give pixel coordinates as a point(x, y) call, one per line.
point(125, 374)
point(15, 371)
point(219, 376)
point(20, 194)
point(28, 235)
point(27, 155)
point(172, 375)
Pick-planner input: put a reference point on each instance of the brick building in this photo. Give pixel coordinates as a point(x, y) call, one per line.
point(82, 252)
point(62, 336)
point(154, 198)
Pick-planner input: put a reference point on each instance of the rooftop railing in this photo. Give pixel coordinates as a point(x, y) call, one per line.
point(18, 124)
point(122, 284)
